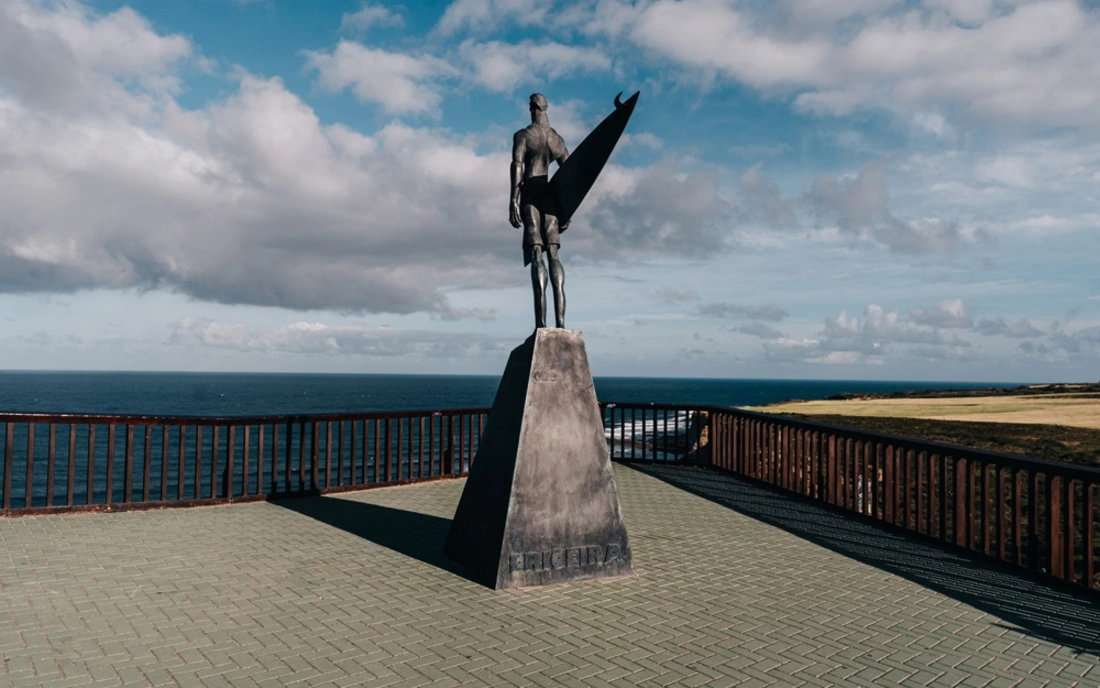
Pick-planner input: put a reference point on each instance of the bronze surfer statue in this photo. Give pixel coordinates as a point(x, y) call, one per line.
point(544, 206)
point(533, 149)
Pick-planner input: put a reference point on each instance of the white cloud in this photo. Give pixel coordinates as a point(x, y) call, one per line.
point(989, 327)
point(659, 210)
point(965, 11)
point(1035, 64)
point(1081, 346)
point(860, 206)
point(252, 200)
point(399, 82)
point(867, 340)
point(122, 42)
point(70, 61)
point(701, 33)
point(501, 67)
point(762, 202)
point(319, 339)
point(484, 14)
point(671, 295)
point(760, 330)
point(368, 16)
point(406, 83)
point(642, 138)
point(760, 150)
point(730, 310)
point(949, 313)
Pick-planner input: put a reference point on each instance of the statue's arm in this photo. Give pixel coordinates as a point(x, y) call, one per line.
point(519, 149)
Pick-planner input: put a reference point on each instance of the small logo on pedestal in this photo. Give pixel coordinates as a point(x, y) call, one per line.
point(547, 376)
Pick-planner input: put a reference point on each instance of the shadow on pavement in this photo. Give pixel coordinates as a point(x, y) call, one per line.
point(1054, 614)
point(415, 535)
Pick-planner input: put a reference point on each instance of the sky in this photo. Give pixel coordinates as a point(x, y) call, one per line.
point(827, 189)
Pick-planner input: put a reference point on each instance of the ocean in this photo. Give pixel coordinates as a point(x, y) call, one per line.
point(257, 394)
point(184, 464)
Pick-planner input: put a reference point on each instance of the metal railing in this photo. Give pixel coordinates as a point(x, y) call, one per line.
point(1035, 514)
point(60, 462)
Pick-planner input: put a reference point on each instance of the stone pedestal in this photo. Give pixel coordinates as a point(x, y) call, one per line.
point(540, 504)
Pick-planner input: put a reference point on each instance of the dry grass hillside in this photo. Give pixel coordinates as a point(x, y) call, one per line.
point(1068, 409)
point(1054, 422)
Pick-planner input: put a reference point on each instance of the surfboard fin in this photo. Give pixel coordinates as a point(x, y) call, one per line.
point(619, 99)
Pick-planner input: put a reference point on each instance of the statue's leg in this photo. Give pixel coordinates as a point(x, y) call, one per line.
point(557, 281)
point(538, 282)
point(532, 222)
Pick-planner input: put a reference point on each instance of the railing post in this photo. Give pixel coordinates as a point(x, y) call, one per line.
point(128, 476)
point(889, 476)
point(962, 514)
point(198, 462)
point(50, 465)
point(1090, 535)
point(214, 477)
point(302, 455)
point(831, 481)
point(987, 507)
point(9, 438)
point(70, 486)
point(431, 445)
point(260, 459)
point(389, 447)
point(179, 466)
point(230, 450)
point(314, 459)
point(28, 488)
point(147, 461)
point(110, 463)
point(1070, 542)
point(1033, 520)
point(1017, 517)
point(1054, 523)
point(244, 459)
point(275, 458)
point(920, 486)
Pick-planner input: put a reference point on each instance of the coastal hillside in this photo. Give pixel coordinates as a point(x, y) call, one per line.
point(1057, 422)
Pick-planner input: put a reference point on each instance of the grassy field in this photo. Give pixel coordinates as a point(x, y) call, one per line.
point(1071, 410)
point(1055, 426)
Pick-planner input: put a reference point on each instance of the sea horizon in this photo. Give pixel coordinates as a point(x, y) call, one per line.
point(236, 393)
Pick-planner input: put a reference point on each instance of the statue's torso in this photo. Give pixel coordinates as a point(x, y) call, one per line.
point(543, 145)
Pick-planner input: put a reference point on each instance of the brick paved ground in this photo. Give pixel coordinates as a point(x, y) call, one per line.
point(736, 585)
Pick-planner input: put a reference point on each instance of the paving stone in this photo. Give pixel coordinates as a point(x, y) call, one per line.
point(737, 585)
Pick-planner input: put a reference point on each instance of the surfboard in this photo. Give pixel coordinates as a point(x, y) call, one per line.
point(575, 177)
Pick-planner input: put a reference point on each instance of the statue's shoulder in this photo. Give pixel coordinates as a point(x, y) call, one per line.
point(556, 138)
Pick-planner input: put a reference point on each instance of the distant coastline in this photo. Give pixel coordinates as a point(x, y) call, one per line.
point(1084, 388)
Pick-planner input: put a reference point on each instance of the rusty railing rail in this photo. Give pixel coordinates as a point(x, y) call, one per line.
point(86, 462)
point(1031, 513)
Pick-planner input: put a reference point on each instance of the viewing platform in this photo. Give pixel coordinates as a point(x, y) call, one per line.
point(767, 552)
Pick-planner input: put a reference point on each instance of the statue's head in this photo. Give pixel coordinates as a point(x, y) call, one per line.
point(538, 103)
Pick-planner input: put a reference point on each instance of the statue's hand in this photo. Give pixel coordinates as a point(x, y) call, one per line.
point(565, 225)
point(513, 214)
